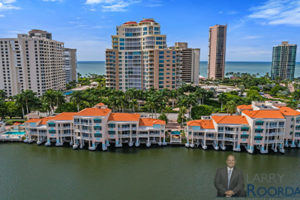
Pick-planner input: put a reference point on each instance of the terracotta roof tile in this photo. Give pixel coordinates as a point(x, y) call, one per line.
point(100, 104)
point(94, 112)
point(245, 107)
point(45, 119)
point(151, 122)
point(288, 111)
point(267, 114)
point(130, 22)
point(203, 123)
point(65, 116)
point(230, 119)
point(125, 117)
point(34, 120)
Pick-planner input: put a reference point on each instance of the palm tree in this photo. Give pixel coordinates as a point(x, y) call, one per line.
point(3, 109)
point(151, 104)
point(188, 102)
point(231, 107)
point(49, 99)
point(28, 99)
point(76, 98)
point(181, 115)
point(222, 98)
point(19, 102)
point(2, 94)
point(164, 117)
point(133, 105)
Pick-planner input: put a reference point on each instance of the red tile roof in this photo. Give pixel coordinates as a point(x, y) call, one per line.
point(245, 107)
point(45, 119)
point(203, 123)
point(94, 112)
point(266, 114)
point(65, 116)
point(34, 120)
point(124, 117)
point(147, 20)
point(100, 104)
point(131, 22)
point(288, 111)
point(151, 122)
point(230, 119)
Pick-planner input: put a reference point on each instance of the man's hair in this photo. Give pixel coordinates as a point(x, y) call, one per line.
point(230, 155)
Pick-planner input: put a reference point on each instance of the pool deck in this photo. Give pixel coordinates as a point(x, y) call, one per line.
point(10, 138)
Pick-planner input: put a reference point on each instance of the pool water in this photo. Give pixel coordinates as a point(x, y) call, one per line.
point(15, 133)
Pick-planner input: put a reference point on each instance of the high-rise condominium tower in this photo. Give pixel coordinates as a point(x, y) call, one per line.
point(70, 64)
point(31, 61)
point(190, 61)
point(217, 50)
point(139, 58)
point(284, 61)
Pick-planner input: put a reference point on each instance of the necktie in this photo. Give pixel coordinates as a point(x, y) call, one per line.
point(229, 176)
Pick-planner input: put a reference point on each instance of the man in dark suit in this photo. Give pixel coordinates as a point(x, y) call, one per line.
point(229, 180)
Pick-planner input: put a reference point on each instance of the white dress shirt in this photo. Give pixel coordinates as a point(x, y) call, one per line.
point(229, 172)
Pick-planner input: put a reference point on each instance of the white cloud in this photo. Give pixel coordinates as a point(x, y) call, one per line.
point(7, 5)
point(112, 5)
point(2, 16)
point(9, 1)
point(101, 1)
point(276, 12)
point(118, 7)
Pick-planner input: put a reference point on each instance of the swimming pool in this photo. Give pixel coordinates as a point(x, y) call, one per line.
point(15, 133)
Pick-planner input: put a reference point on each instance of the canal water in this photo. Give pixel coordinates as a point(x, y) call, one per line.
point(38, 172)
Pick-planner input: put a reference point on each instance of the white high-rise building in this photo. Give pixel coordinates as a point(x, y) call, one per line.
point(31, 61)
point(70, 64)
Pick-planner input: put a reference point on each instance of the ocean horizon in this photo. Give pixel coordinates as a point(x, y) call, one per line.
point(252, 67)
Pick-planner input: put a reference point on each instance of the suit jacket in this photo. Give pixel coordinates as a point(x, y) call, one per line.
point(236, 182)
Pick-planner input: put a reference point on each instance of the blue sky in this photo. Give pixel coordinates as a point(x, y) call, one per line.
point(254, 26)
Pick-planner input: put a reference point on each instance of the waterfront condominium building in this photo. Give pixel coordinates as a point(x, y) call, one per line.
point(31, 61)
point(284, 61)
point(96, 126)
point(262, 126)
point(139, 58)
point(70, 64)
point(190, 62)
point(217, 50)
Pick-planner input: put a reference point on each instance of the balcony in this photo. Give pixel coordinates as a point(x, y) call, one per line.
point(230, 139)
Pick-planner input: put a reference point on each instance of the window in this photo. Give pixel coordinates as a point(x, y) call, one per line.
point(244, 136)
point(259, 123)
point(51, 124)
point(111, 132)
point(97, 128)
point(111, 125)
point(97, 120)
point(258, 137)
point(259, 130)
point(98, 135)
point(244, 129)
